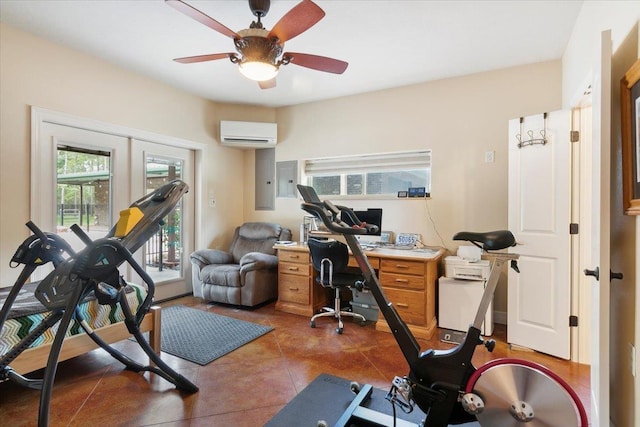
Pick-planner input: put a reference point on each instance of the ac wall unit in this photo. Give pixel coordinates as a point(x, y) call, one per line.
point(248, 134)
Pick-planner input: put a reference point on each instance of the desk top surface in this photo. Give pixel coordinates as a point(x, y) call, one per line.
point(379, 252)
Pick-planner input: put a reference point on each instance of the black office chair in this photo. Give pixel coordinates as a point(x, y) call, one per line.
point(330, 259)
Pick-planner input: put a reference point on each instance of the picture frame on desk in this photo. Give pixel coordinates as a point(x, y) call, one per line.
point(630, 118)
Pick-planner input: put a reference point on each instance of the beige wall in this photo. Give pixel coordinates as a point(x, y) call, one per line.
point(35, 72)
point(459, 119)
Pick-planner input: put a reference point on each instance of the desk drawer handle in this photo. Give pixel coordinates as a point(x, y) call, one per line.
point(402, 266)
point(293, 268)
point(294, 256)
point(294, 289)
point(403, 305)
point(402, 280)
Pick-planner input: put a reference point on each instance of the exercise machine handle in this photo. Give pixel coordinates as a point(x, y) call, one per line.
point(39, 233)
point(330, 216)
point(81, 234)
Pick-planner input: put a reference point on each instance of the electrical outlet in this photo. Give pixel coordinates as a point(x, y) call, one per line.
point(212, 203)
point(490, 156)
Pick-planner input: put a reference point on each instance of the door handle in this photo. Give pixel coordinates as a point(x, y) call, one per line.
point(595, 273)
point(613, 275)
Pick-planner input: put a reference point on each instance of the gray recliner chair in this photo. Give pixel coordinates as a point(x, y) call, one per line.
point(245, 275)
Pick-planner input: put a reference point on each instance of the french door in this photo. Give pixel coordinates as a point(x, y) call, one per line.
point(74, 175)
point(165, 255)
point(87, 177)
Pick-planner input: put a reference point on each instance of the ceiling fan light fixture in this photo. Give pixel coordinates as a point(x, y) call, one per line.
point(260, 51)
point(258, 71)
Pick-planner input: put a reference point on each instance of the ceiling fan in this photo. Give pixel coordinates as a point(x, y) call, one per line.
point(260, 51)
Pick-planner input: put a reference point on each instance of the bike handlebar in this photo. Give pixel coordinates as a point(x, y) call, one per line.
point(330, 216)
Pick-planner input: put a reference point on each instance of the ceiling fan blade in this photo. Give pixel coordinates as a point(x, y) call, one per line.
point(194, 13)
point(267, 84)
point(320, 63)
point(203, 58)
point(298, 20)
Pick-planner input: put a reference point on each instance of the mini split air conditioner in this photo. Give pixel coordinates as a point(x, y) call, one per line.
point(248, 134)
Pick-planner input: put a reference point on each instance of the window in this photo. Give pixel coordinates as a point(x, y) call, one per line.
point(369, 174)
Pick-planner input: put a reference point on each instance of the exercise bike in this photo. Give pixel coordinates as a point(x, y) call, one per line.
point(93, 270)
point(443, 383)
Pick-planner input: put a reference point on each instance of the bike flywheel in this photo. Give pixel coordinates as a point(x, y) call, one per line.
point(516, 394)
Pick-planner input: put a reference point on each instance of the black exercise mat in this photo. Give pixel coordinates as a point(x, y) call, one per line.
point(202, 337)
point(326, 398)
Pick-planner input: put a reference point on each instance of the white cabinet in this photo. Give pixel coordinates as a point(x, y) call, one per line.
point(458, 303)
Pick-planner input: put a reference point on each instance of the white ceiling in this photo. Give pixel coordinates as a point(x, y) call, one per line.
point(387, 43)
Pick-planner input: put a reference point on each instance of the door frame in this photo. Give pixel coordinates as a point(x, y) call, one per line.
point(591, 127)
point(39, 116)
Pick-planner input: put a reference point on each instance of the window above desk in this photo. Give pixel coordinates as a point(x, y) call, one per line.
point(376, 175)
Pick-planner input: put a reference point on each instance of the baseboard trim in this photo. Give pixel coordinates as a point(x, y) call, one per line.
point(500, 317)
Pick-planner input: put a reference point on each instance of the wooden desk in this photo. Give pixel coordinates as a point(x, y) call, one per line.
point(408, 279)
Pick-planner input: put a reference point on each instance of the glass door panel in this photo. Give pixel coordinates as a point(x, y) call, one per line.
point(83, 193)
point(166, 256)
point(164, 252)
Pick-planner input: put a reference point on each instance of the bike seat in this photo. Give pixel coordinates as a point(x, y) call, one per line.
point(490, 240)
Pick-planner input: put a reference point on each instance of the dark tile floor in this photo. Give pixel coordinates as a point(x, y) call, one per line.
point(244, 388)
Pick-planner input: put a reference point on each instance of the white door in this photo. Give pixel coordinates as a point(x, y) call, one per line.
point(539, 298)
point(165, 256)
point(599, 232)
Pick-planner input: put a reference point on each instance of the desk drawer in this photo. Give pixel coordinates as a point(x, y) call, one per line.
point(293, 268)
point(299, 257)
point(402, 266)
point(293, 288)
point(375, 262)
point(410, 305)
point(402, 281)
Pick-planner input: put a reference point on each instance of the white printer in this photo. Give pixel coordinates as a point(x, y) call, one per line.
point(456, 267)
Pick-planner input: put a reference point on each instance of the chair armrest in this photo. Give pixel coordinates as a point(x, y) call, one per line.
point(203, 257)
point(257, 261)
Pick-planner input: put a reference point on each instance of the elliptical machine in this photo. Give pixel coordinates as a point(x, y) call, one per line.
point(93, 269)
point(444, 384)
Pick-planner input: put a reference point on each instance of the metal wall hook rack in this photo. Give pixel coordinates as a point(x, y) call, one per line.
point(533, 140)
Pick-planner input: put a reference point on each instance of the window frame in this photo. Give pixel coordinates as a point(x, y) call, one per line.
point(363, 164)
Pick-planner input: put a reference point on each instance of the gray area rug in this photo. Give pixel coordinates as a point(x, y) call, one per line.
point(202, 337)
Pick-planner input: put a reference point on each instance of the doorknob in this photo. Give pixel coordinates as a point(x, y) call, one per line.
point(595, 273)
point(613, 275)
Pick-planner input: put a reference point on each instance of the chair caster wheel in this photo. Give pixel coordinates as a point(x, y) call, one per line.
point(339, 331)
point(312, 324)
point(322, 423)
point(355, 387)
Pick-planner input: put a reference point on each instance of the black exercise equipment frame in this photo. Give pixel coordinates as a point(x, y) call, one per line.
point(93, 269)
point(437, 377)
